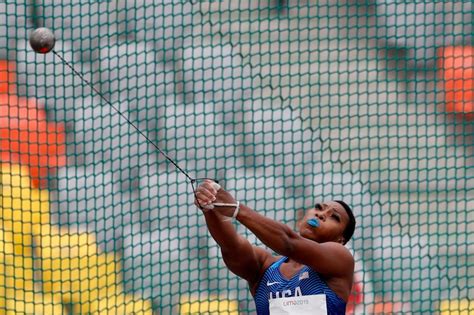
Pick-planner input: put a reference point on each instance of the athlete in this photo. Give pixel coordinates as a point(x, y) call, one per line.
point(314, 272)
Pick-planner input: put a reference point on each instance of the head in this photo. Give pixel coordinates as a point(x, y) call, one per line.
point(336, 222)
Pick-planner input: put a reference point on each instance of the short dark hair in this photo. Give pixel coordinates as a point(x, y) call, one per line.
point(349, 231)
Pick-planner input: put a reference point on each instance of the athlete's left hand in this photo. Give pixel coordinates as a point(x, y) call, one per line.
point(208, 194)
point(205, 194)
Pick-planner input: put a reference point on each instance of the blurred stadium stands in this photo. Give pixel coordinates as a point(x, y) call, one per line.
point(420, 28)
point(332, 100)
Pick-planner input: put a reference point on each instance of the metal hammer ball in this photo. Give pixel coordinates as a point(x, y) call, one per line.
point(42, 40)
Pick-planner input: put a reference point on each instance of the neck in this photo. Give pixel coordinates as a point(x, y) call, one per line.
point(293, 263)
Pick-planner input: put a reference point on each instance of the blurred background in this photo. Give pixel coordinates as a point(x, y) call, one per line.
point(285, 102)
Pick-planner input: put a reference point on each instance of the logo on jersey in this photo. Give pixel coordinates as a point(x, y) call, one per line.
point(286, 293)
point(272, 283)
point(304, 275)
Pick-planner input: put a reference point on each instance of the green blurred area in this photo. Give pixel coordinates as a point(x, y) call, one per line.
point(286, 103)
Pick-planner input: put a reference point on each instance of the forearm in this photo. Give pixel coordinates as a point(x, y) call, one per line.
point(272, 233)
point(223, 232)
point(238, 254)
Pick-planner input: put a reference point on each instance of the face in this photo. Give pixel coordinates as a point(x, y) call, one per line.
point(332, 218)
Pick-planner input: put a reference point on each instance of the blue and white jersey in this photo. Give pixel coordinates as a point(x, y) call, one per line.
point(274, 285)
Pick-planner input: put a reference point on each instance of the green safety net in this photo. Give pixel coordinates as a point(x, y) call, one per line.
point(286, 103)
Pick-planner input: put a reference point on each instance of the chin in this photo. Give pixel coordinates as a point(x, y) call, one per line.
point(307, 233)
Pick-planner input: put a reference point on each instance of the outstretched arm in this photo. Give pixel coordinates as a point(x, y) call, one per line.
point(330, 259)
point(239, 255)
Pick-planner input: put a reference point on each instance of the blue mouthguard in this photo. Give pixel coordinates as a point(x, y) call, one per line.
point(313, 222)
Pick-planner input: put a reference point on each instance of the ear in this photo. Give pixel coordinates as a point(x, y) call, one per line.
point(341, 240)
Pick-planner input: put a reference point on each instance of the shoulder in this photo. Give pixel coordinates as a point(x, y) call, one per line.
point(340, 279)
point(334, 246)
point(266, 259)
point(343, 254)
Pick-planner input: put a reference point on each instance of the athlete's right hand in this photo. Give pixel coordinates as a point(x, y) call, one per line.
point(205, 194)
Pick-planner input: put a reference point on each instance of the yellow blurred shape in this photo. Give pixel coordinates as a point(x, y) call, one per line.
point(16, 271)
point(72, 266)
point(23, 209)
point(34, 303)
point(17, 202)
point(16, 275)
point(11, 173)
point(115, 304)
point(457, 307)
point(6, 251)
point(213, 305)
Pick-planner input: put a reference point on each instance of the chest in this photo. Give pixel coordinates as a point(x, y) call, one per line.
point(292, 273)
point(288, 282)
point(289, 271)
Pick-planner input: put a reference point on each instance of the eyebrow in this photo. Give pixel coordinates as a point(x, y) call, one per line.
point(335, 209)
point(320, 206)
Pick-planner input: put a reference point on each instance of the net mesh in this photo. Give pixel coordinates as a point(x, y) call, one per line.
point(285, 102)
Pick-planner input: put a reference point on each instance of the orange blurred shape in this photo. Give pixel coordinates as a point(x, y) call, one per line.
point(457, 73)
point(7, 77)
point(384, 307)
point(26, 138)
point(356, 297)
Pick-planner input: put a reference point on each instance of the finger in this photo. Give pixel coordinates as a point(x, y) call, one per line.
point(204, 200)
point(208, 181)
point(210, 185)
point(206, 184)
point(203, 206)
point(205, 196)
point(216, 186)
